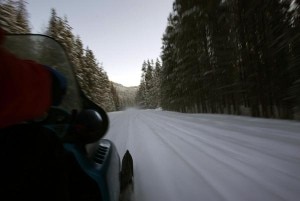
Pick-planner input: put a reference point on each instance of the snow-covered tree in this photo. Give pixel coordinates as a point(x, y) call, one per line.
point(225, 56)
point(14, 16)
point(148, 94)
point(90, 74)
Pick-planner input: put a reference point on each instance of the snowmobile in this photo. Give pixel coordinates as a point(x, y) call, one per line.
point(62, 155)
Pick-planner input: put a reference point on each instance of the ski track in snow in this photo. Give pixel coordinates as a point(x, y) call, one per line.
point(207, 157)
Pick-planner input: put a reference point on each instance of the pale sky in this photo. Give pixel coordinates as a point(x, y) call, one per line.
point(121, 33)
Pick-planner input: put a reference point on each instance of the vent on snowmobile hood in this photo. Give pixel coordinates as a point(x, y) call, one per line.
point(101, 153)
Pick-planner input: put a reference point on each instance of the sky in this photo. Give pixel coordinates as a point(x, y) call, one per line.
point(121, 33)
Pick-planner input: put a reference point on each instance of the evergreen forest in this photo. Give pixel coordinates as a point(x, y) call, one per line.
point(218, 56)
point(229, 56)
point(94, 81)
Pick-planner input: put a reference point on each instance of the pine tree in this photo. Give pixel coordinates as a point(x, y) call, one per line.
point(225, 56)
point(168, 57)
point(53, 23)
point(149, 85)
point(294, 70)
point(157, 84)
point(148, 94)
point(22, 21)
point(140, 98)
point(14, 16)
point(90, 74)
point(115, 97)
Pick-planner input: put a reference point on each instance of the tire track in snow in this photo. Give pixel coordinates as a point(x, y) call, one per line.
point(227, 142)
point(224, 159)
point(215, 195)
point(245, 169)
point(250, 178)
point(242, 138)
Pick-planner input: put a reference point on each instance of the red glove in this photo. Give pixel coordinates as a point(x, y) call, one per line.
point(25, 87)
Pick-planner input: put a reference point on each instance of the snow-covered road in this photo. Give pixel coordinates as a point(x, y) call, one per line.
point(206, 157)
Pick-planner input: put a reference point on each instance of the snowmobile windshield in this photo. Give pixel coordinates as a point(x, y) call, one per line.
point(49, 52)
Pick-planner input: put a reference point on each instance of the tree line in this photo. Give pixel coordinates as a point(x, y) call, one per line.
point(232, 56)
point(90, 73)
point(218, 56)
point(148, 94)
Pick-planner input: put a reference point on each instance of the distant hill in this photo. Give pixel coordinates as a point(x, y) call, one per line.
point(126, 95)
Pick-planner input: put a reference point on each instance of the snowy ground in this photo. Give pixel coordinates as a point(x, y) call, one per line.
point(209, 157)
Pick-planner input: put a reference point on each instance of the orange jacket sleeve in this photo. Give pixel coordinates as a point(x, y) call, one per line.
point(25, 89)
